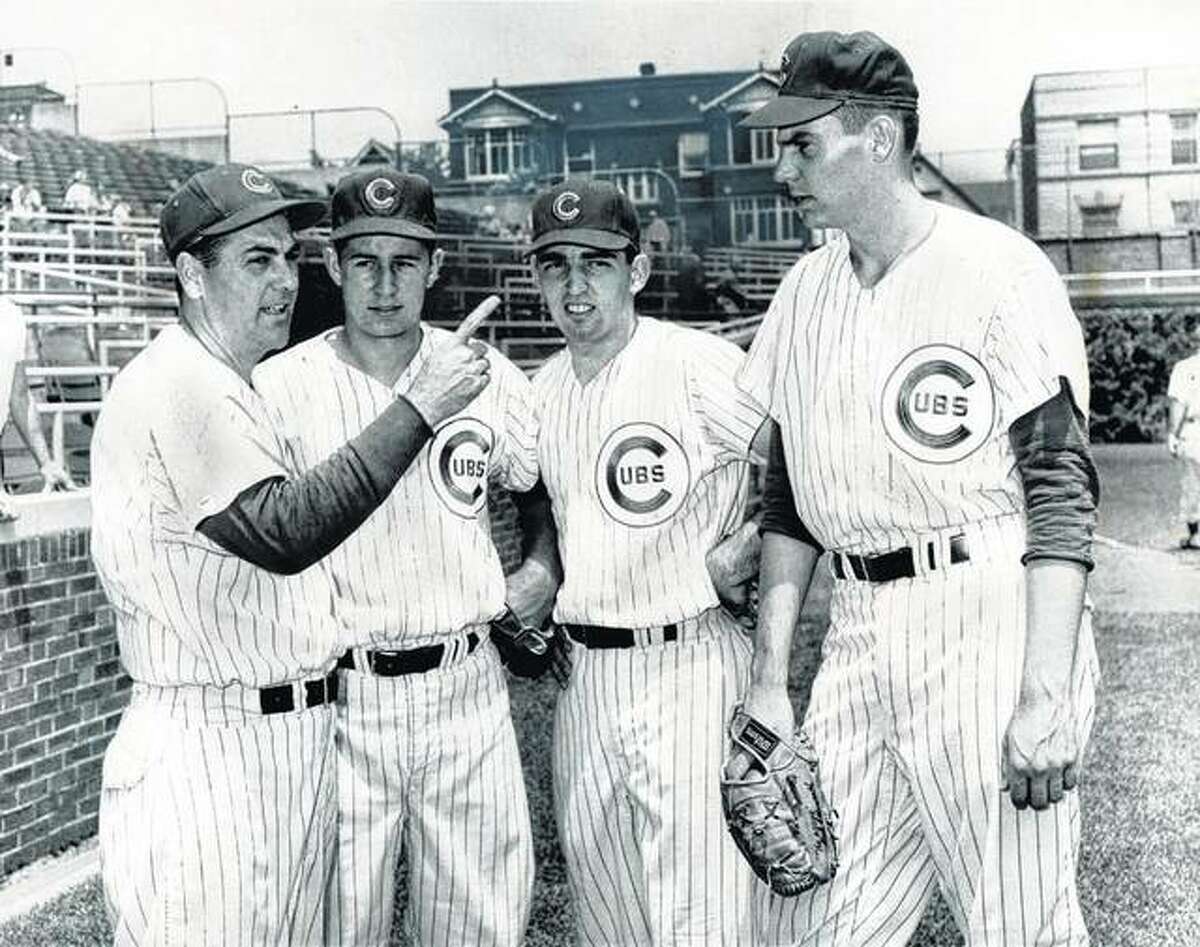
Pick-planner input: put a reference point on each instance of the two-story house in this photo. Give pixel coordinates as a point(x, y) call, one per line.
point(1110, 152)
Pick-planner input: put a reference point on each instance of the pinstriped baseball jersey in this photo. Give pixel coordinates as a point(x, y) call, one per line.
point(646, 469)
point(894, 405)
point(179, 437)
point(422, 565)
point(895, 401)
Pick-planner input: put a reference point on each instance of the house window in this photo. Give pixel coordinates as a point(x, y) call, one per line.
point(753, 145)
point(1183, 138)
point(641, 187)
point(693, 154)
point(764, 220)
point(1098, 145)
point(581, 155)
point(1186, 213)
point(1100, 220)
point(497, 152)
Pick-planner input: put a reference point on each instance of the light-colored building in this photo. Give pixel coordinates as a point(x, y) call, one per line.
point(1110, 152)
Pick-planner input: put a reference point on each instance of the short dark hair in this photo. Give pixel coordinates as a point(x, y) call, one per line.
point(855, 115)
point(206, 250)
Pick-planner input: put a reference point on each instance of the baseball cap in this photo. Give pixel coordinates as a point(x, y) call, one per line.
point(226, 198)
point(383, 200)
point(822, 71)
point(586, 213)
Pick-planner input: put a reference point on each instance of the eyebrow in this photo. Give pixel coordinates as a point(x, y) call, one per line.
point(368, 255)
point(269, 249)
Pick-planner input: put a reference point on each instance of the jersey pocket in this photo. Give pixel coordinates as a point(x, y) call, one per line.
point(139, 744)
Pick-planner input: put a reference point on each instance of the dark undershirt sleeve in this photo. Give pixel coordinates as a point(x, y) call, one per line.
point(778, 503)
point(1062, 488)
point(539, 538)
point(286, 525)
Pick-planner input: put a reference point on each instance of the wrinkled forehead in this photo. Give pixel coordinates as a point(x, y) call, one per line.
point(273, 233)
point(385, 245)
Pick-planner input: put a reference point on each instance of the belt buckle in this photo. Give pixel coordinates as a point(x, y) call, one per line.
point(858, 566)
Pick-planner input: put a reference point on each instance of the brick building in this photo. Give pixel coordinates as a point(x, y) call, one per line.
point(1109, 152)
point(671, 142)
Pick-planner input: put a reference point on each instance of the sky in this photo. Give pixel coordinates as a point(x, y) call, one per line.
point(973, 61)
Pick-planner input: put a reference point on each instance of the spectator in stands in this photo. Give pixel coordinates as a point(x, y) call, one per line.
point(489, 224)
point(17, 403)
point(658, 234)
point(121, 211)
point(26, 199)
point(691, 288)
point(81, 196)
point(728, 294)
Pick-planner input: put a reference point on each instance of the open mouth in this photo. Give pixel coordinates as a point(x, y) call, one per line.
point(277, 311)
point(579, 309)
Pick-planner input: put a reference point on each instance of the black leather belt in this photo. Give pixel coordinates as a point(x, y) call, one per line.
point(281, 698)
point(897, 564)
point(412, 661)
point(598, 636)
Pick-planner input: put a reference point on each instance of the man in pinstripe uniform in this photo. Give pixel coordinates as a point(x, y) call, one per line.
point(930, 385)
point(427, 756)
point(217, 813)
point(643, 445)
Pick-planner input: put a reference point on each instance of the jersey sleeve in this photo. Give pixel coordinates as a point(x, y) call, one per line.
point(760, 375)
point(516, 452)
point(1033, 340)
point(215, 443)
point(729, 416)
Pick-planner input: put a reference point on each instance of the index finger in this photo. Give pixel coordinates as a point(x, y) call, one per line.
point(476, 318)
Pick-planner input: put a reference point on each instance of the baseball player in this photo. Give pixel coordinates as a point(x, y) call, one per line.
point(217, 811)
point(17, 403)
point(643, 447)
point(427, 758)
point(1183, 439)
point(930, 385)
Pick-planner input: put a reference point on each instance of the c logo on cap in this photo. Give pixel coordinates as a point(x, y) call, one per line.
point(380, 195)
point(560, 209)
point(254, 180)
point(459, 459)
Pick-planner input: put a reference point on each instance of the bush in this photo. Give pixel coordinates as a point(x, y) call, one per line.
point(1131, 353)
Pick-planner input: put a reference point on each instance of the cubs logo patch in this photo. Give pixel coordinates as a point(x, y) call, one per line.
point(380, 195)
point(459, 458)
point(254, 180)
point(566, 206)
point(939, 404)
point(642, 475)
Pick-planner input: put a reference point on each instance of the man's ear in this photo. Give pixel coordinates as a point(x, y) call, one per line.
point(639, 273)
point(436, 259)
point(333, 266)
point(191, 275)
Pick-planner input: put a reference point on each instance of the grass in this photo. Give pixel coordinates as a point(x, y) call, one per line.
point(1140, 862)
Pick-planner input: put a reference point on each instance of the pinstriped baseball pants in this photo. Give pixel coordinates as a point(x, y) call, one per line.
point(918, 681)
point(428, 764)
point(639, 741)
point(218, 833)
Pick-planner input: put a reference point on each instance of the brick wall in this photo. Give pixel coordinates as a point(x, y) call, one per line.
point(62, 694)
point(61, 686)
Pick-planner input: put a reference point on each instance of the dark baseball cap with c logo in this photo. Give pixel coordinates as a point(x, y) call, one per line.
point(226, 198)
point(382, 200)
point(586, 213)
point(823, 71)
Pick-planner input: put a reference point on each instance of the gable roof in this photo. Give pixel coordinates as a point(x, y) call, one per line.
point(496, 92)
point(936, 173)
point(729, 93)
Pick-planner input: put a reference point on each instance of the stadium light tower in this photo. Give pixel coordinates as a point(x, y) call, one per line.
point(150, 84)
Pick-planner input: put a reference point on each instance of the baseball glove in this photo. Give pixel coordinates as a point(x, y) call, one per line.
point(526, 651)
point(777, 814)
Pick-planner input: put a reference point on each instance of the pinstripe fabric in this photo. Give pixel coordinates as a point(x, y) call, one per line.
point(639, 741)
point(680, 382)
point(827, 348)
point(179, 437)
point(918, 680)
point(429, 763)
point(645, 466)
point(217, 834)
point(216, 823)
point(919, 677)
point(423, 565)
point(1184, 386)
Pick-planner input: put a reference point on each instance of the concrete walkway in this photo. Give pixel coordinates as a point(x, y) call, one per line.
point(46, 879)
